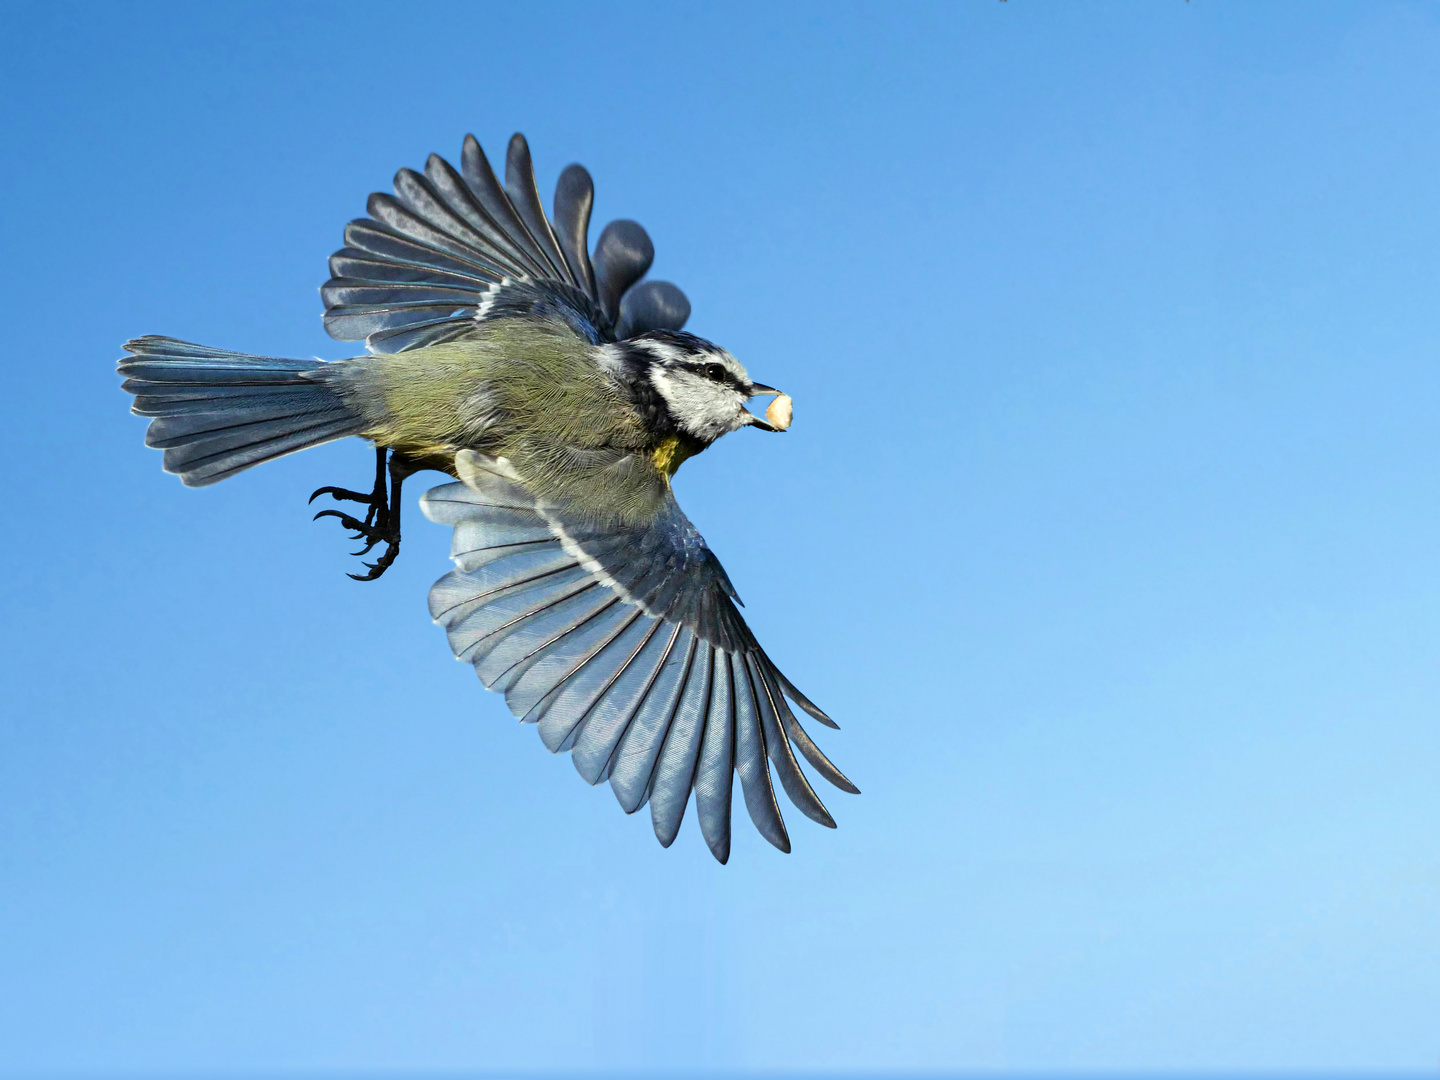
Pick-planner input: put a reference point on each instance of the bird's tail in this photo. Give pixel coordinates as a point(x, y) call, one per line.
point(218, 412)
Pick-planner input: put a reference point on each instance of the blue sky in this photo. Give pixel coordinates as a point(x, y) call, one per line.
point(1109, 530)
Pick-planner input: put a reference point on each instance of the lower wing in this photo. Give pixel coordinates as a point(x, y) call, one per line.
point(624, 645)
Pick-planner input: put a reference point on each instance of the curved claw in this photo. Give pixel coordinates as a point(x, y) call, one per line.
point(359, 530)
point(342, 493)
point(380, 565)
point(382, 514)
point(345, 519)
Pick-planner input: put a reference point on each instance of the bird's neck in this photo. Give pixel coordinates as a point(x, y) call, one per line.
point(673, 450)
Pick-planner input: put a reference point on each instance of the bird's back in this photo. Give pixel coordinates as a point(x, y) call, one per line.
point(526, 389)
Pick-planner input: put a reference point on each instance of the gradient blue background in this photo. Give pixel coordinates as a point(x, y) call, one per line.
point(1109, 529)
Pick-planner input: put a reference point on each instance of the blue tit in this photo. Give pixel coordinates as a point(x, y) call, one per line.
point(560, 391)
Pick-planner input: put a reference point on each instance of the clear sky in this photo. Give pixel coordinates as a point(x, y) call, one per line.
point(1108, 529)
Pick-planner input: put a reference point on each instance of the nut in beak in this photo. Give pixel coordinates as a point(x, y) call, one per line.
point(780, 412)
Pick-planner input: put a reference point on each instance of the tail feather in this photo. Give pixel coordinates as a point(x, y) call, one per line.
point(201, 463)
point(218, 412)
point(150, 401)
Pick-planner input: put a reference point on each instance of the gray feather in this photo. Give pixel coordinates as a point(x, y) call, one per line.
point(448, 248)
point(751, 761)
point(594, 752)
point(481, 180)
point(652, 305)
point(217, 412)
point(792, 779)
point(639, 749)
point(574, 199)
point(623, 255)
point(674, 774)
point(564, 711)
point(525, 197)
point(599, 634)
point(715, 777)
point(463, 200)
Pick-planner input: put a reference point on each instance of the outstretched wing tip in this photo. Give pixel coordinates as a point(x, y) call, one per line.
point(618, 666)
point(450, 248)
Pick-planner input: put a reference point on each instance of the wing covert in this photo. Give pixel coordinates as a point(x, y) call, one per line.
point(451, 248)
point(624, 646)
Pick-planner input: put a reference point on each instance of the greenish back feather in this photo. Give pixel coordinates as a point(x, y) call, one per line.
point(524, 389)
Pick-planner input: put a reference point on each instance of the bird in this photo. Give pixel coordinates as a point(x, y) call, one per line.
point(561, 392)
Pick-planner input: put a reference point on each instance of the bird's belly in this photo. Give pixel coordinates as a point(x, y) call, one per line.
point(425, 453)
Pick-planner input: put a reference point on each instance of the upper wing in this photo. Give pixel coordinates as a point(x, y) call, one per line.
point(449, 249)
point(624, 645)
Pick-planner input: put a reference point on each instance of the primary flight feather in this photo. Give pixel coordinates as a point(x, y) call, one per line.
point(562, 394)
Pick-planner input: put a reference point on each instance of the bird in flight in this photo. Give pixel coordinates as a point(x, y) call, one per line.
point(560, 391)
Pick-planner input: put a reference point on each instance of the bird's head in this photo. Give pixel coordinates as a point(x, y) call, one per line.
point(701, 388)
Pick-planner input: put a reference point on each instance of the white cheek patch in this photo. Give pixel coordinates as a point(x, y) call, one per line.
point(703, 408)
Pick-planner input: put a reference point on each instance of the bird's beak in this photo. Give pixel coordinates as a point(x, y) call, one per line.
point(777, 416)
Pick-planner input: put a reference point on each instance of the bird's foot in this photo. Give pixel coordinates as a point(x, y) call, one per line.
point(372, 534)
point(381, 524)
point(374, 500)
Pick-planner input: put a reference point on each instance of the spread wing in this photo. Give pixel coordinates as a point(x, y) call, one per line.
point(450, 249)
point(624, 645)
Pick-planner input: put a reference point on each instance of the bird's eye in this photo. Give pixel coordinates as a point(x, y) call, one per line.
point(715, 372)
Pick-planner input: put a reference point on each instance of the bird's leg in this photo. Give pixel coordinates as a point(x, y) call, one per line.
point(382, 519)
point(376, 500)
point(400, 468)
